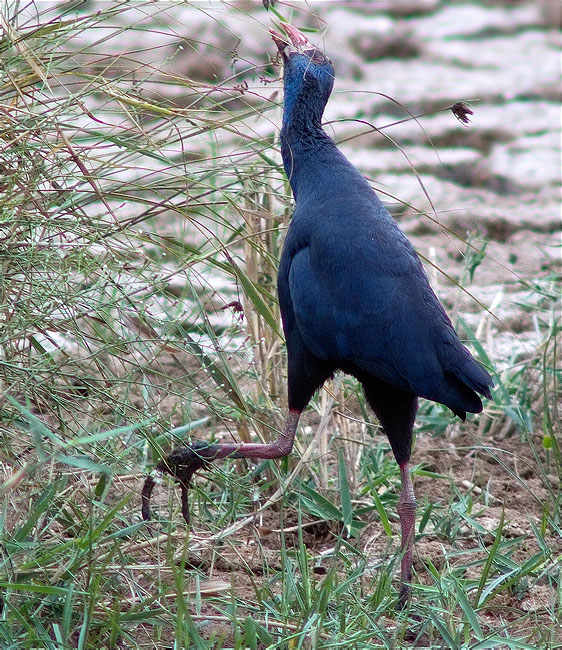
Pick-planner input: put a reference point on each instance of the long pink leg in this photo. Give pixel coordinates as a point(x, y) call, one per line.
point(280, 447)
point(407, 511)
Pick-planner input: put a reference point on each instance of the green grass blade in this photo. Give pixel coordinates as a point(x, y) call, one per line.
point(382, 514)
point(471, 615)
point(489, 561)
point(319, 506)
point(345, 493)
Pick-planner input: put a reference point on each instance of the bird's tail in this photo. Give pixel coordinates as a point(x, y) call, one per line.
point(475, 376)
point(468, 382)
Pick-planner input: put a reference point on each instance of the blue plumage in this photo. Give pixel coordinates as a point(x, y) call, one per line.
point(353, 293)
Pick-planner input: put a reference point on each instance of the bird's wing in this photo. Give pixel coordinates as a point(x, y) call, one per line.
point(359, 296)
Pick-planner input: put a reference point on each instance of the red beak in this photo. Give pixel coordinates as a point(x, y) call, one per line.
point(293, 37)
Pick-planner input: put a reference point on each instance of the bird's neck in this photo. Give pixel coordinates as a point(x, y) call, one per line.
point(312, 161)
point(303, 142)
point(301, 133)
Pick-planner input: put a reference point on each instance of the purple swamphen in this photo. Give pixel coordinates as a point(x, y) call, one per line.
point(353, 296)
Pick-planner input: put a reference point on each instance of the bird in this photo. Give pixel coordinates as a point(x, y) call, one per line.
point(353, 296)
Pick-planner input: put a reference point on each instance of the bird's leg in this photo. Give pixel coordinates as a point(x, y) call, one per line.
point(280, 447)
point(407, 512)
point(183, 462)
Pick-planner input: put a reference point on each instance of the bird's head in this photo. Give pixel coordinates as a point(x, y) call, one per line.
point(308, 72)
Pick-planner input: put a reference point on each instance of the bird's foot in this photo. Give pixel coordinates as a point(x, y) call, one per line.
point(404, 595)
point(181, 464)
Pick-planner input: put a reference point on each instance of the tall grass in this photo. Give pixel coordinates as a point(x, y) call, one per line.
point(142, 214)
